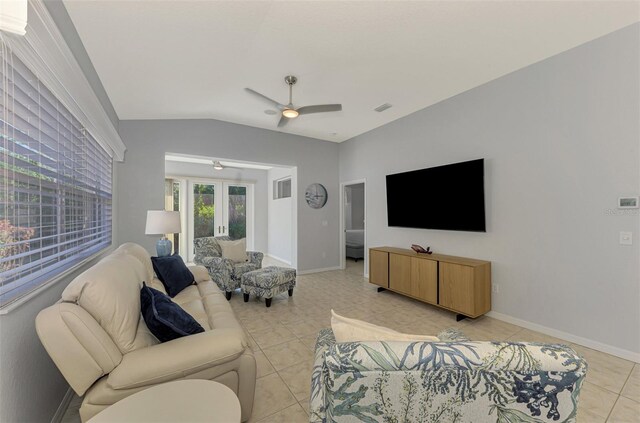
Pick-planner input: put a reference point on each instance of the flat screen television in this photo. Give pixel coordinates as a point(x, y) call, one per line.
point(449, 197)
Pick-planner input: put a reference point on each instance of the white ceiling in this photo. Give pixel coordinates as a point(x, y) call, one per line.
point(193, 59)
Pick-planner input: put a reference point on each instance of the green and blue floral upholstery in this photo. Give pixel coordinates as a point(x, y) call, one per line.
point(454, 381)
point(224, 272)
point(268, 282)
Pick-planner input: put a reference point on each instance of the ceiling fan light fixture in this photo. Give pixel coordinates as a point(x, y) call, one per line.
point(217, 165)
point(290, 113)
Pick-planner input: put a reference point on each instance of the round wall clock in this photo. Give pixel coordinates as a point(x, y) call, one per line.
point(316, 196)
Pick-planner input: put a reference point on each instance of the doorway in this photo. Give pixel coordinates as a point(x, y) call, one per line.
point(353, 245)
point(212, 208)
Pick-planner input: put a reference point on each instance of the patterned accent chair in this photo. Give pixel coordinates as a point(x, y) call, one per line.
point(224, 272)
point(455, 380)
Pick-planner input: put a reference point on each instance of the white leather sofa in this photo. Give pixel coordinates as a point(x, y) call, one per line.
point(99, 341)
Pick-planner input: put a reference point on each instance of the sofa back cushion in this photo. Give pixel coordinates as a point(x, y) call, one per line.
point(142, 255)
point(461, 381)
point(110, 293)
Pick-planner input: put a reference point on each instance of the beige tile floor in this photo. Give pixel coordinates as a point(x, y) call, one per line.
point(283, 337)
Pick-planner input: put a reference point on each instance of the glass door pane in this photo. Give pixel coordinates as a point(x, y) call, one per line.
point(236, 218)
point(204, 208)
point(175, 199)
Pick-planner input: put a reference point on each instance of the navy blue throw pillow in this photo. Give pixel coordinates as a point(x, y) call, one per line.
point(173, 273)
point(164, 318)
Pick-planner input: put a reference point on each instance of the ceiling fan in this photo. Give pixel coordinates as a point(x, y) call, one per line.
point(219, 166)
point(288, 111)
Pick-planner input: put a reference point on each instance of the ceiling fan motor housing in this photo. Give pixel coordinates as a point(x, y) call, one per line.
point(290, 79)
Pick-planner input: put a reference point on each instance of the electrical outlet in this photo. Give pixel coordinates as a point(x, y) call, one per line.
point(626, 238)
point(495, 288)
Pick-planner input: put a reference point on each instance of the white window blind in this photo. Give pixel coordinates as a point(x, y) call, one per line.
point(55, 184)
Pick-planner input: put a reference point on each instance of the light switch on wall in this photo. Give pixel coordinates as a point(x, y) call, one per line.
point(626, 238)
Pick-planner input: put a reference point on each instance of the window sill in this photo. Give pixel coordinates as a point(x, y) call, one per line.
point(52, 282)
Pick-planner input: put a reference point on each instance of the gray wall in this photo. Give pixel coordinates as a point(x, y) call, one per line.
point(142, 173)
point(61, 17)
point(257, 176)
point(561, 143)
point(280, 218)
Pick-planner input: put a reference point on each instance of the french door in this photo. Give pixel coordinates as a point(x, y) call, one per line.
point(218, 208)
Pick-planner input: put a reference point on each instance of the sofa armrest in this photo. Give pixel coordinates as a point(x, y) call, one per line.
point(177, 358)
point(255, 257)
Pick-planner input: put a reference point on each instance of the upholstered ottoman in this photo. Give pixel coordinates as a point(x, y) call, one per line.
point(268, 282)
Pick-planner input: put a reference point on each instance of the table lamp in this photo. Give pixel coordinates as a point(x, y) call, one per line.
point(161, 222)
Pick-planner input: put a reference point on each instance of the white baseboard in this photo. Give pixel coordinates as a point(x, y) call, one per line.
point(326, 269)
point(62, 408)
point(279, 259)
point(589, 343)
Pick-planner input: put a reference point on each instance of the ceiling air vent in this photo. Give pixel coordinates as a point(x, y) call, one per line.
point(382, 107)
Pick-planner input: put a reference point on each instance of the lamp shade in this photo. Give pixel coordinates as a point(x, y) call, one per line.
point(13, 16)
point(160, 222)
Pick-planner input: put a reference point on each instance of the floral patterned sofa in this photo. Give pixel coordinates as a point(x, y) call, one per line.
point(224, 272)
point(455, 380)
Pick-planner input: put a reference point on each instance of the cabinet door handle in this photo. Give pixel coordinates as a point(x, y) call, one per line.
point(218, 229)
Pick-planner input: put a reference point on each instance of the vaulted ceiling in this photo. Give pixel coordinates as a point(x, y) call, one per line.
point(193, 59)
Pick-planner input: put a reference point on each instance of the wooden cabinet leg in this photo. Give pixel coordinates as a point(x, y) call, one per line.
point(380, 289)
point(460, 317)
point(268, 302)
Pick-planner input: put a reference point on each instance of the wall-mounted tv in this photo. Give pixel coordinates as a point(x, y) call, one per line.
point(449, 197)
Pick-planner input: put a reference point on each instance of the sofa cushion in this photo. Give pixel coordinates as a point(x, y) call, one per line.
point(110, 293)
point(352, 330)
point(137, 251)
point(164, 318)
point(173, 273)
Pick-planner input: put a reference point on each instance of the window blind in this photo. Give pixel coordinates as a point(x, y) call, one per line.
point(55, 184)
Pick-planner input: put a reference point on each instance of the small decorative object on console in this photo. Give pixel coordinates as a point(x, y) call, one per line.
point(418, 249)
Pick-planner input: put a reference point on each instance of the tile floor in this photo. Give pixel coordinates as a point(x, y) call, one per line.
point(283, 338)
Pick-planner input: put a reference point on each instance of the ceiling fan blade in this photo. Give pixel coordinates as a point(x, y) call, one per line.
point(283, 121)
point(264, 97)
point(320, 108)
